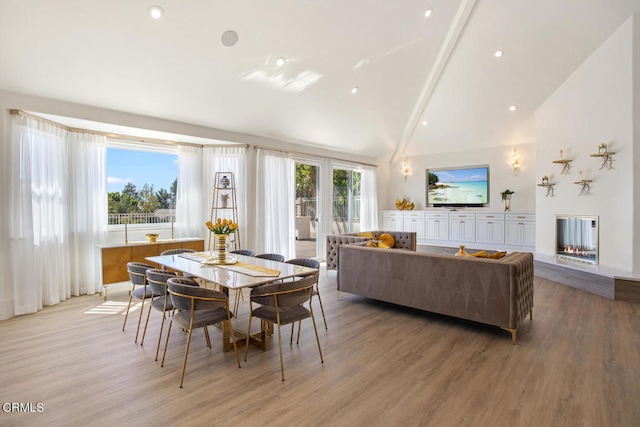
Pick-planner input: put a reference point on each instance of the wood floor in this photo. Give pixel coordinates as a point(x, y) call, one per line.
point(576, 364)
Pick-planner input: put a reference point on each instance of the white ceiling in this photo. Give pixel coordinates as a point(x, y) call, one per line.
point(408, 68)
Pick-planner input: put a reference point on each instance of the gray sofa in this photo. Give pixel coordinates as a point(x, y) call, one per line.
point(403, 240)
point(496, 292)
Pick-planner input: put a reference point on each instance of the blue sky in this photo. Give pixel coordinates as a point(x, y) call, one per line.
point(140, 167)
point(462, 175)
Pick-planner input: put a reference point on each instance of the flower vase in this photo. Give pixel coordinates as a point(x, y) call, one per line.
point(461, 252)
point(221, 251)
point(507, 203)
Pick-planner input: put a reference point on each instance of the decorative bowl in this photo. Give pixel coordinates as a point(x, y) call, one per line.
point(153, 237)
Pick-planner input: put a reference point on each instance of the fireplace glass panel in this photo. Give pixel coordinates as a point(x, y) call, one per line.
point(577, 238)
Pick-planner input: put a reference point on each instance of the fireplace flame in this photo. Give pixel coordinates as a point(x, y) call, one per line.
point(575, 251)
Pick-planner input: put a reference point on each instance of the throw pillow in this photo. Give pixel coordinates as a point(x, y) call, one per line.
point(387, 239)
point(496, 255)
point(368, 234)
point(383, 245)
point(483, 254)
point(371, 244)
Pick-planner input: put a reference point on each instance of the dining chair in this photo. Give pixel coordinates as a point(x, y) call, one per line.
point(271, 257)
point(138, 278)
point(157, 282)
point(282, 303)
point(197, 308)
point(312, 263)
point(246, 252)
point(177, 251)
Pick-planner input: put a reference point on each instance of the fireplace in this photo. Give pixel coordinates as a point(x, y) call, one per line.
point(577, 238)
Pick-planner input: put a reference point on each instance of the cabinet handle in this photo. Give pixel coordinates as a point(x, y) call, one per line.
point(490, 216)
point(521, 217)
point(490, 222)
point(463, 216)
point(521, 223)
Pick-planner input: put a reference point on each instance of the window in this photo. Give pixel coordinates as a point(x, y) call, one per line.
point(346, 200)
point(141, 183)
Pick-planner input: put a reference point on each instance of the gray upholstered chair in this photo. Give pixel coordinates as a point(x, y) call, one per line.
point(197, 308)
point(282, 303)
point(157, 283)
point(311, 263)
point(246, 252)
point(271, 257)
point(176, 251)
point(138, 278)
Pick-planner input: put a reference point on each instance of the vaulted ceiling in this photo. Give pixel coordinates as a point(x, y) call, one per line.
point(407, 68)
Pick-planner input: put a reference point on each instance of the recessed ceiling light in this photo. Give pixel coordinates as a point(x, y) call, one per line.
point(428, 13)
point(354, 89)
point(280, 61)
point(229, 38)
point(498, 53)
point(425, 123)
point(513, 108)
point(155, 12)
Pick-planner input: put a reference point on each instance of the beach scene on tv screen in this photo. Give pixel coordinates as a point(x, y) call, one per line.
point(458, 186)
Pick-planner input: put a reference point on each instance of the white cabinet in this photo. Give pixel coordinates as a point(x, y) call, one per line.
point(392, 221)
point(462, 227)
point(490, 228)
point(437, 226)
point(506, 230)
point(520, 229)
point(414, 221)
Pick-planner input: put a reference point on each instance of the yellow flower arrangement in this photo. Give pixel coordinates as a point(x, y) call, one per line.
point(222, 226)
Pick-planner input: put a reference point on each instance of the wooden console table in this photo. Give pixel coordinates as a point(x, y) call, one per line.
point(116, 256)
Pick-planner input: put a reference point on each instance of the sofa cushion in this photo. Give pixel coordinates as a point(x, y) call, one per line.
point(368, 234)
point(371, 244)
point(383, 245)
point(387, 239)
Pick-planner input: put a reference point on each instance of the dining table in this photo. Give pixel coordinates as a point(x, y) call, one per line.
point(236, 273)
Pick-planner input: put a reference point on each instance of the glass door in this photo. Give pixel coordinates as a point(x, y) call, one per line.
point(346, 201)
point(307, 212)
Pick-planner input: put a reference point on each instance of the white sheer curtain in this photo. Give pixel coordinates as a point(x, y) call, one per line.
point(87, 162)
point(190, 217)
point(54, 207)
point(369, 200)
point(227, 159)
point(275, 201)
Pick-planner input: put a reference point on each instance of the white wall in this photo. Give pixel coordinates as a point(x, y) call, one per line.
point(594, 105)
point(501, 176)
point(9, 100)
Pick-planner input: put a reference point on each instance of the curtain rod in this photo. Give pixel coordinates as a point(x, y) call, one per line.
point(260, 147)
point(116, 135)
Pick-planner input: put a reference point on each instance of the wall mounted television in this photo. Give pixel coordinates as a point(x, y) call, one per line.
point(465, 186)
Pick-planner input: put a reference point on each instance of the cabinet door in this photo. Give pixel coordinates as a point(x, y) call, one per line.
point(490, 231)
point(468, 230)
point(512, 233)
point(415, 222)
point(529, 233)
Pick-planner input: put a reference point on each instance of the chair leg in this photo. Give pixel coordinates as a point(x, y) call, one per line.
point(246, 346)
point(322, 310)
point(186, 355)
point(233, 339)
point(299, 328)
point(127, 313)
point(293, 326)
point(160, 335)
point(317, 338)
point(166, 343)
point(139, 320)
point(147, 322)
point(206, 337)
point(280, 345)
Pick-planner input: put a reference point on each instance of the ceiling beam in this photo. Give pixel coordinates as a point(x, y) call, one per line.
point(450, 41)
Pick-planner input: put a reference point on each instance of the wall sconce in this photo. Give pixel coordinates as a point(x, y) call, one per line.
point(515, 161)
point(405, 169)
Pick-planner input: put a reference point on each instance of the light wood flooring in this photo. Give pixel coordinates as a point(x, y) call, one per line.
point(576, 364)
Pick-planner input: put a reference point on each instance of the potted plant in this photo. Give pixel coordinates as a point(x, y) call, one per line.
point(506, 199)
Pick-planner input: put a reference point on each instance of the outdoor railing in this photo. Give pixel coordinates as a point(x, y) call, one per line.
point(140, 218)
